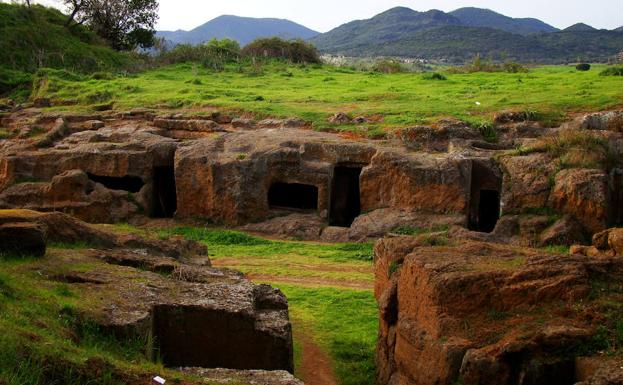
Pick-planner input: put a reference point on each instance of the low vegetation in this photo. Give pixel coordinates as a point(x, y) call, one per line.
point(580, 149)
point(612, 71)
point(296, 51)
point(316, 92)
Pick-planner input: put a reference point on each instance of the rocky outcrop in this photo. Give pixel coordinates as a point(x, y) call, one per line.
point(467, 312)
point(608, 243)
point(233, 175)
point(526, 182)
point(165, 291)
point(609, 120)
point(566, 231)
point(585, 194)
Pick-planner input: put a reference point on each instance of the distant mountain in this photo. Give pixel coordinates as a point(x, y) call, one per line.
point(395, 24)
point(478, 17)
point(580, 27)
point(620, 29)
point(437, 35)
point(242, 29)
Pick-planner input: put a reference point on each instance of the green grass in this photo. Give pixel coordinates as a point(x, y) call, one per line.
point(36, 37)
point(345, 323)
point(315, 92)
point(43, 340)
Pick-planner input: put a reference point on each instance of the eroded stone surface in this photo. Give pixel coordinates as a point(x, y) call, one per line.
point(466, 311)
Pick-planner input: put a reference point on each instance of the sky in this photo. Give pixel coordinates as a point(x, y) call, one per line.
point(324, 15)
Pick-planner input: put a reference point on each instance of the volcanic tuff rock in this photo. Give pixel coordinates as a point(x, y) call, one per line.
point(481, 313)
point(233, 173)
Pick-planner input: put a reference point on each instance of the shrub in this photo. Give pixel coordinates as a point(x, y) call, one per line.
point(388, 67)
point(583, 67)
point(480, 65)
point(612, 71)
point(435, 76)
point(296, 51)
point(213, 54)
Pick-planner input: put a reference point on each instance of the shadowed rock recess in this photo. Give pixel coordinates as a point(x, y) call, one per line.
point(479, 293)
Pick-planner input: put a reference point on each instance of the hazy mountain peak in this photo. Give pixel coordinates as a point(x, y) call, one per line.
point(580, 27)
point(242, 29)
point(481, 17)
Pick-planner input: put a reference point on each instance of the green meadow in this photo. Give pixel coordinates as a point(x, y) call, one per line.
point(315, 92)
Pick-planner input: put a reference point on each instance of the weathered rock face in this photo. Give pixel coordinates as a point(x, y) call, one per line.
point(584, 194)
point(610, 120)
point(115, 167)
point(526, 182)
point(106, 175)
point(608, 243)
point(468, 312)
point(230, 178)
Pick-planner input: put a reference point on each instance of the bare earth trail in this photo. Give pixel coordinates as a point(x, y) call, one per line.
point(304, 281)
point(315, 367)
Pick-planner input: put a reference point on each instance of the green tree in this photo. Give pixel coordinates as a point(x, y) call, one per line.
point(125, 24)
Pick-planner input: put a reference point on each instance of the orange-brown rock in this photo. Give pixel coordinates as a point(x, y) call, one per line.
point(481, 313)
point(526, 182)
point(585, 194)
point(228, 178)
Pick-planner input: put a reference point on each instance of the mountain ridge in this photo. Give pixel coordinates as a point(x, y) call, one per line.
point(242, 29)
point(435, 35)
point(480, 17)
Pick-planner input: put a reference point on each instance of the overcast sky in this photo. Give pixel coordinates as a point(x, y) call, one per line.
point(324, 15)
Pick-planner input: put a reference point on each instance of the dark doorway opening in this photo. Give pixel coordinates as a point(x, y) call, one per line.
point(293, 196)
point(345, 199)
point(164, 203)
point(132, 184)
point(485, 208)
point(488, 210)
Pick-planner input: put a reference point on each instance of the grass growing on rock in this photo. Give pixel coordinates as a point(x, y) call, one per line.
point(315, 92)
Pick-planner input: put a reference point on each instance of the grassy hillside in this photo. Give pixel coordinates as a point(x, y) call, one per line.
point(36, 37)
point(316, 92)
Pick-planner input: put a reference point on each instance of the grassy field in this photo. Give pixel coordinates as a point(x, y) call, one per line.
point(315, 92)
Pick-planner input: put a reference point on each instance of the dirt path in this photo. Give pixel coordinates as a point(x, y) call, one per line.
point(315, 367)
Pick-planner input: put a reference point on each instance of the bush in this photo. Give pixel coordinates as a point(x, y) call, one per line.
point(583, 67)
point(296, 51)
point(388, 67)
point(434, 76)
point(213, 54)
point(612, 71)
point(480, 65)
point(11, 80)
